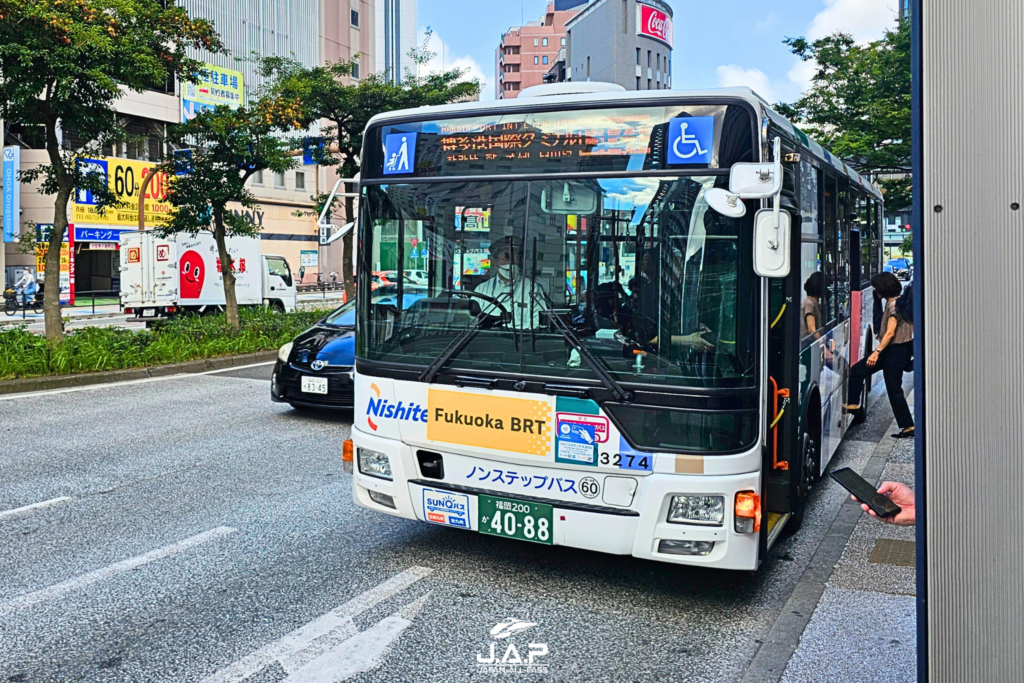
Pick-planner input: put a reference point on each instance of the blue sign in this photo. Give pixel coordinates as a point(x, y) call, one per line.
point(312, 149)
point(182, 161)
point(691, 140)
point(98, 234)
point(399, 153)
point(12, 193)
point(98, 166)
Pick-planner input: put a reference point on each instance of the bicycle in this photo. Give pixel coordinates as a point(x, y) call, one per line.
point(13, 303)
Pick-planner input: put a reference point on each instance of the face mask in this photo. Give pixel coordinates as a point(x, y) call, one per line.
point(508, 272)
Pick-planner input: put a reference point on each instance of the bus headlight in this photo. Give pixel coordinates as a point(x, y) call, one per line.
point(374, 464)
point(705, 510)
point(283, 353)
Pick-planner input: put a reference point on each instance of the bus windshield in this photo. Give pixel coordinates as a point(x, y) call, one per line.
point(655, 286)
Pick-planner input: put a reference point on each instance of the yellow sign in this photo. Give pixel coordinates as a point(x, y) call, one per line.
point(217, 86)
point(506, 424)
point(124, 178)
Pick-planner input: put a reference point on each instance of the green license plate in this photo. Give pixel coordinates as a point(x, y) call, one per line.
point(515, 519)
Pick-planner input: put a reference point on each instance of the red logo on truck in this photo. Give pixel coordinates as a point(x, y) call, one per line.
point(655, 23)
point(193, 272)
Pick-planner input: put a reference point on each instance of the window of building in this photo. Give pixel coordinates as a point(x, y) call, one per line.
point(648, 58)
point(300, 180)
point(648, 84)
point(544, 42)
point(536, 42)
point(355, 70)
point(536, 60)
point(545, 59)
point(279, 180)
point(257, 178)
point(637, 82)
point(563, 42)
point(638, 56)
point(354, 17)
point(588, 67)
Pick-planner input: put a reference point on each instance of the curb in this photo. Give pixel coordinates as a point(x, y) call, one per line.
point(774, 653)
point(72, 318)
point(17, 386)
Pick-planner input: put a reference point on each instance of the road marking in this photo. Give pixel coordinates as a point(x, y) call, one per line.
point(329, 637)
point(34, 506)
point(180, 375)
point(111, 570)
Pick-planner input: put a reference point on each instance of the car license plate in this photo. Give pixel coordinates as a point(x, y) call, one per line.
point(515, 519)
point(314, 385)
point(148, 312)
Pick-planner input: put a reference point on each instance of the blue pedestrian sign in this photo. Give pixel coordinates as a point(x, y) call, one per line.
point(691, 139)
point(399, 153)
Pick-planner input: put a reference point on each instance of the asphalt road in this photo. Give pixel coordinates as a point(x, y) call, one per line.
point(193, 530)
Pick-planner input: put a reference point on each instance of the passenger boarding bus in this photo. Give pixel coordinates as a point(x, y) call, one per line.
point(606, 349)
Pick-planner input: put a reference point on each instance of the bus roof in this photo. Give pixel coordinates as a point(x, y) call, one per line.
point(614, 98)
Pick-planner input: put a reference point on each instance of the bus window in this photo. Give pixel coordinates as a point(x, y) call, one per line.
point(842, 280)
point(829, 306)
point(864, 209)
point(811, 276)
point(876, 248)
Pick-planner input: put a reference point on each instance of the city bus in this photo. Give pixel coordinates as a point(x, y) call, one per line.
point(591, 359)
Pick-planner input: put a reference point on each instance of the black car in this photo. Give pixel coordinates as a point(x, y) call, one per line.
point(315, 370)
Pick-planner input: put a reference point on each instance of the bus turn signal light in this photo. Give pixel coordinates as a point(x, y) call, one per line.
point(346, 456)
point(748, 512)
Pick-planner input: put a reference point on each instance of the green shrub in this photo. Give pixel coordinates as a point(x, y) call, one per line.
point(192, 337)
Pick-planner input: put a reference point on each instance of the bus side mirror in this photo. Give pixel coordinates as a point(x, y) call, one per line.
point(771, 244)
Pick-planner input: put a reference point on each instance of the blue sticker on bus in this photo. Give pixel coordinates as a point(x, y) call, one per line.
point(399, 153)
point(446, 507)
point(632, 459)
point(690, 140)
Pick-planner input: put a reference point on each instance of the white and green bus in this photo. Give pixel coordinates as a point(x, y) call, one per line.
point(606, 349)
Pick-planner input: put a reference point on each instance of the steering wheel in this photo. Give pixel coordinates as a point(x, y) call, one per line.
point(505, 314)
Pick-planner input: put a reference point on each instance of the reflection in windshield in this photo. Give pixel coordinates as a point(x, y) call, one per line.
point(642, 272)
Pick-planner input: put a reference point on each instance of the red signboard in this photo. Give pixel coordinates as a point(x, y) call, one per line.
point(654, 23)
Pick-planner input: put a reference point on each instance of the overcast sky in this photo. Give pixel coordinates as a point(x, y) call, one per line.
point(721, 43)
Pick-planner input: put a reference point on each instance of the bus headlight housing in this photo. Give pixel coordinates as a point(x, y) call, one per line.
point(374, 464)
point(704, 510)
point(283, 353)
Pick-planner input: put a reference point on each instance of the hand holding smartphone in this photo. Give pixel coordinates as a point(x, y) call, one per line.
point(865, 492)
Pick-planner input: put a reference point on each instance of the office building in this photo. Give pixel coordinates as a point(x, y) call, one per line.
point(395, 36)
point(526, 53)
point(625, 42)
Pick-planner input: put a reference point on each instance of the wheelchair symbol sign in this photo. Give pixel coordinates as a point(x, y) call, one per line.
point(690, 139)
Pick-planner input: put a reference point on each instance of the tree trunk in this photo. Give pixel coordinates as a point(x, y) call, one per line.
point(348, 246)
point(227, 269)
point(51, 283)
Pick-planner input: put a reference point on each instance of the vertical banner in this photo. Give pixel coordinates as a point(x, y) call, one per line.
point(66, 277)
point(12, 193)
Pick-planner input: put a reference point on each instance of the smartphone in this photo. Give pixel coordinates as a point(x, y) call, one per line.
point(865, 492)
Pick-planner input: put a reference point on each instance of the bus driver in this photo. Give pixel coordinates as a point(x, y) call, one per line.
point(520, 295)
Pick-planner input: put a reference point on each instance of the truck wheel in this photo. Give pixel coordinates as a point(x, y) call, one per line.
point(277, 306)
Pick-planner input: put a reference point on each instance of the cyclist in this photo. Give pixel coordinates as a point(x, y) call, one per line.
point(26, 289)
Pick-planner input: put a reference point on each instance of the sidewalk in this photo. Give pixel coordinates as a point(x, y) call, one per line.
point(864, 627)
point(104, 311)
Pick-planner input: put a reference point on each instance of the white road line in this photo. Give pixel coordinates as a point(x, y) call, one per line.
point(321, 636)
point(110, 570)
point(34, 506)
point(108, 385)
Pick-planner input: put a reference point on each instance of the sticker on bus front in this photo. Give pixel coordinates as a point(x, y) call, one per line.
point(446, 507)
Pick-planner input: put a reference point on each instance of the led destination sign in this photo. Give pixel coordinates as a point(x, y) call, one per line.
point(558, 142)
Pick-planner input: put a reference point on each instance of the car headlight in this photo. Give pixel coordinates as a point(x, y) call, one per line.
point(283, 353)
point(374, 464)
point(706, 510)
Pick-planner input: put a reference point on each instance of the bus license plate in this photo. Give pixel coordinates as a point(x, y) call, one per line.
point(515, 519)
point(314, 385)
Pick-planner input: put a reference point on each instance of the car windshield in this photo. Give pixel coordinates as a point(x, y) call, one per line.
point(657, 287)
point(343, 316)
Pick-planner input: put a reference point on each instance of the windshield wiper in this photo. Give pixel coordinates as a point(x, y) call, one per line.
point(618, 393)
point(430, 372)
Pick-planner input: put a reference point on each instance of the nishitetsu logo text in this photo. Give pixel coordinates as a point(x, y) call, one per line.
point(397, 411)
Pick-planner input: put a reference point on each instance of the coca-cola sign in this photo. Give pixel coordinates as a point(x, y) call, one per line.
point(654, 23)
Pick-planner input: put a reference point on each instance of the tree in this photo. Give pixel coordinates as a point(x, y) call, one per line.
point(319, 93)
point(227, 147)
point(859, 104)
point(63, 66)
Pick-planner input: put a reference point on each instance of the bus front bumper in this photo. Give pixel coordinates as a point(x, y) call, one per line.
point(637, 530)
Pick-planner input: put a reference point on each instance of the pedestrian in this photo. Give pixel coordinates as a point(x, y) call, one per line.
point(902, 495)
point(334, 279)
point(893, 356)
point(810, 309)
point(302, 273)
